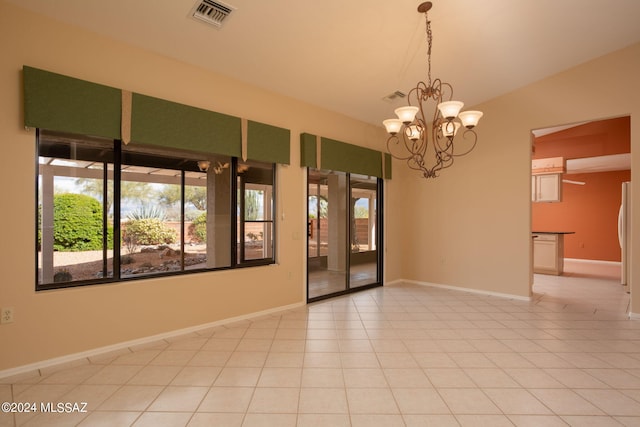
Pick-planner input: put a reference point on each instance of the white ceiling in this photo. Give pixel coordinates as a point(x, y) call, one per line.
point(346, 55)
point(546, 131)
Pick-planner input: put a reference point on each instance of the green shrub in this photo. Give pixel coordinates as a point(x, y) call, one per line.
point(198, 228)
point(148, 212)
point(78, 223)
point(149, 231)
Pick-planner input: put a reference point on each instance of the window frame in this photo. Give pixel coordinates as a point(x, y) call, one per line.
point(118, 250)
point(239, 252)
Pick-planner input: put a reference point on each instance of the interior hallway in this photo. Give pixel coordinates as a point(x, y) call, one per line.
point(400, 355)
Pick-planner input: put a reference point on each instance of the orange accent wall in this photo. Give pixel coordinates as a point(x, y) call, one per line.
point(590, 210)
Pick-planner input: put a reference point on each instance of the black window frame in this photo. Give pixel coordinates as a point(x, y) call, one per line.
point(240, 183)
point(118, 159)
point(380, 236)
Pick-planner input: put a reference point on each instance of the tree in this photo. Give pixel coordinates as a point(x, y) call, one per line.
point(197, 196)
point(313, 204)
point(169, 195)
point(130, 190)
point(252, 204)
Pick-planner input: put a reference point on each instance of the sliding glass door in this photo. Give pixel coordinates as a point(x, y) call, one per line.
point(327, 233)
point(363, 260)
point(342, 241)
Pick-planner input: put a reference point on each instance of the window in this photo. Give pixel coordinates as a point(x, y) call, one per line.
point(75, 236)
point(109, 212)
point(255, 212)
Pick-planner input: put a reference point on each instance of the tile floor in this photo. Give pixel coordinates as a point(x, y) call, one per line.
point(402, 355)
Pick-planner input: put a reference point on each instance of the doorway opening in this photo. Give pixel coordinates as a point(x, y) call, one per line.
point(578, 171)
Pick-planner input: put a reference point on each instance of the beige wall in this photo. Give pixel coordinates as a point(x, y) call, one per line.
point(56, 323)
point(473, 223)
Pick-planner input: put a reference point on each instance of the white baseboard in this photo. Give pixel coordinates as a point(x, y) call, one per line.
point(634, 316)
point(35, 369)
point(461, 289)
point(593, 261)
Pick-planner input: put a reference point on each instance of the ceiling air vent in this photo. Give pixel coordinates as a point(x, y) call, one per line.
point(393, 96)
point(211, 12)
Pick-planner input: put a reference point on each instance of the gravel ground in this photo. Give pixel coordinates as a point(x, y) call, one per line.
point(87, 265)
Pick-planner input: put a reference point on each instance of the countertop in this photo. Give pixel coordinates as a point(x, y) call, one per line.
point(553, 232)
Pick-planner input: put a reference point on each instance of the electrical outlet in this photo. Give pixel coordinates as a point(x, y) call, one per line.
point(6, 315)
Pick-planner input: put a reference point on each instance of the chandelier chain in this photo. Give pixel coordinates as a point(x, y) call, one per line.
point(429, 43)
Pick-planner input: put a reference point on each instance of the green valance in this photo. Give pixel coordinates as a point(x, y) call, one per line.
point(66, 104)
point(60, 103)
point(155, 121)
point(388, 172)
point(268, 143)
point(340, 156)
point(308, 150)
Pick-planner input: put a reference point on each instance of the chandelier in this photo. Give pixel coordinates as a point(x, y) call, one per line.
point(429, 150)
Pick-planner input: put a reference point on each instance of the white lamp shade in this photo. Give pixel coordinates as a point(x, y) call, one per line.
point(406, 114)
point(413, 133)
point(392, 125)
point(470, 118)
point(450, 128)
point(450, 109)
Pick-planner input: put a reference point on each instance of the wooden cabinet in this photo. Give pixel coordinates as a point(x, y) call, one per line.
point(548, 253)
point(546, 179)
point(546, 187)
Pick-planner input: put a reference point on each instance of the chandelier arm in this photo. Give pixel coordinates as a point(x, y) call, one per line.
point(446, 161)
point(394, 139)
point(444, 89)
point(416, 150)
point(436, 132)
point(422, 143)
point(446, 148)
point(432, 172)
point(473, 143)
point(418, 92)
point(447, 164)
point(444, 156)
point(409, 147)
point(416, 163)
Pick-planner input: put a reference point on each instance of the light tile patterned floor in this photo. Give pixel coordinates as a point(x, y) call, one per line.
point(402, 355)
